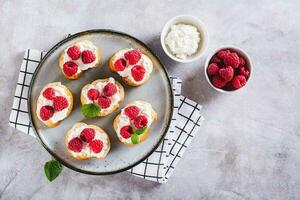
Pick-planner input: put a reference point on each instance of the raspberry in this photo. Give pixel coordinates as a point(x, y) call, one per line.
point(88, 57)
point(215, 59)
point(49, 93)
point(126, 131)
point(132, 112)
point(46, 112)
point(244, 72)
point(75, 144)
point(138, 72)
point(70, 68)
point(226, 73)
point(104, 102)
point(120, 64)
point(133, 56)
point(232, 59)
point(239, 81)
point(212, 69)
point(110, 89)
point(242, 61)
point(93, 94)
point(87, 134)
point(140, 122)
point(60, 103)
point(223, 53)
point(74, 52)
point(96, 146)
point(218, 82)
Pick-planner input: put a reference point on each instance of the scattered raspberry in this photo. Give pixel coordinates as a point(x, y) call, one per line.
point(70, 68)
point(212, 69)
point(226, 73)
point(133, 56)
point(138, 72)
point(75, 144)
point(110, 89)
point(104, 102)
point(88, 57)
point(49, 93)
point(46, 112)
point(60, 103)
point(239, 81)
point(120, 64)
point(215, 59)
point(232, 59)
point(242, 61)
point(243, 71)
point(93, 94)
point(74, 52)
point(132, 112)
point(87, 134)
point(140, 122)
point(126, 131)
point(223, 53)
point(96, 146)
point(218, 82)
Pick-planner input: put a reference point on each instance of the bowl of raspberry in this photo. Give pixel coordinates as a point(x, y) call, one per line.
point(228, 69)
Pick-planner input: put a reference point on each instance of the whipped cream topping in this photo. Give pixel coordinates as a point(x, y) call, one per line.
point(86, 151)
point(145, 109)
point(144, 61)
point(82, 45)
point(59, 90)
point(115, 99)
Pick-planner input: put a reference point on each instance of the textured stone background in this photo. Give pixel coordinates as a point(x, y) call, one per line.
point(248, 147)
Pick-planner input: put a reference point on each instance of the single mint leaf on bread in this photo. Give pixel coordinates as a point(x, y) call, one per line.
point(90, 110)
point(135, 138)
point(140, 131)
point(52, 169)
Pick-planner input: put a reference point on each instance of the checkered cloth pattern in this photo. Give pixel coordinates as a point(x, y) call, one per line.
point(159, 166)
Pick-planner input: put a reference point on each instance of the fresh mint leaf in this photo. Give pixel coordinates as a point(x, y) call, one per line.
point(52, 169)
point(135, 138)
point(140, 131)
point(90, 110)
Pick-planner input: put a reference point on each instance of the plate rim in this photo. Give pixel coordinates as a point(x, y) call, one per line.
point(71, 37)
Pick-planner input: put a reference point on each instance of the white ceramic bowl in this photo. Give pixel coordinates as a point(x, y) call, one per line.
point(240, 52)
point(190, 20)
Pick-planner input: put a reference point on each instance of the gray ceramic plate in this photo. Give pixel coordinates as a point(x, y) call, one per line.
point(157, 91)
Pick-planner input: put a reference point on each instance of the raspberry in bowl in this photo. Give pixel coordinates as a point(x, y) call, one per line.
point(228, 69)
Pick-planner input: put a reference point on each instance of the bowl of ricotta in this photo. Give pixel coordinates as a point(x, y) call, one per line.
point(184, 38)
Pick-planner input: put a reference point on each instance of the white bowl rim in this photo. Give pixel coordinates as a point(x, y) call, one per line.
point(239, 50)
point(204, 39)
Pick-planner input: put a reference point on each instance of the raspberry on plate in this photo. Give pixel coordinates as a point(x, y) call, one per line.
point(244, 72)
point(109, 89)
point(104, 102)
point(226, 73)
point(46, 112)
point(140, 122)
point(88, 56)
point(60, 103)
point(212, 69)
point(133, 56)
point(126, 131)
point(75, 144)
point(87, 134)
point(232, 59)
point(74, 52)
point(93, 94)
point(132, 112)
point(96, 146)
point(120, 65)
point(49, 93)
point(218, 82)
point(138, 72)
point(70, 68)
point(239, 81)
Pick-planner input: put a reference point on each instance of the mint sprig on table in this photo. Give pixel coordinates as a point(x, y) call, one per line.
point(90, 110)
point(52, 169)
point(135, 136)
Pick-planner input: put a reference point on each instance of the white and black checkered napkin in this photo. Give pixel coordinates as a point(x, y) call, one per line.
point(159, 166)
